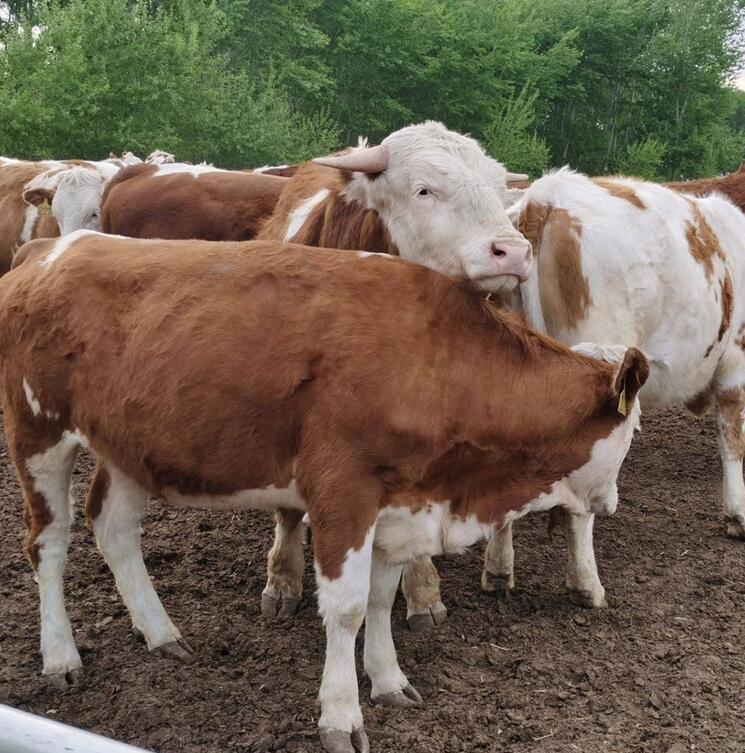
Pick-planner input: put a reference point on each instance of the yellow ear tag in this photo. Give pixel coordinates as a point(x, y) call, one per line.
point(622, 407)
point(45, 208)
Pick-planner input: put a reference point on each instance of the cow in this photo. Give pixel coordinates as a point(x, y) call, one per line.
point(127, 158)
point(397, 408)
point(159, 157)
point(181, 201)
point(46, 199)
point(424, 194)
point(731, 185)
point(622, 260)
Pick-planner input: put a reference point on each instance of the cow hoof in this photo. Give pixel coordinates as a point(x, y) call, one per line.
point(273, 607)
point(498, 583)
point(178, 649)
point(338, 741)
point(588, 599)
point(400, 699)
point(65, 680)
point(735, 529)
point(435, 615)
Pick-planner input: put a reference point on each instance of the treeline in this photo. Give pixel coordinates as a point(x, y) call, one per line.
point(634, 86)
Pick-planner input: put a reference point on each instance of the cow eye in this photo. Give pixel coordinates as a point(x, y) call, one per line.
point(423, 192)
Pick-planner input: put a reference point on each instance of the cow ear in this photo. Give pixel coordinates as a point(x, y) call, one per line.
point(37, 196)
point(629, 379)
point(512, 196)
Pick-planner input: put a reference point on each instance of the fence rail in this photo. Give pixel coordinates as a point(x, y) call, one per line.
point(27, 733)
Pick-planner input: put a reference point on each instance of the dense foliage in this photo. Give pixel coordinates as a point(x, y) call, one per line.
point(638, 86)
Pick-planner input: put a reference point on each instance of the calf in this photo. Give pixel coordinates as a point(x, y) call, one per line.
point(162, 364)
point(188, 201)
point(621, 260)
point(46, 199)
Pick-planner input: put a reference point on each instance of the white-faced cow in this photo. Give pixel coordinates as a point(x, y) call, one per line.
point(46, 199)
point(426, 194)
point(162, 364)
point(177, 200)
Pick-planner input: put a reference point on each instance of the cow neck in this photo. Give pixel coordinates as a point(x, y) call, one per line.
point(345, 224)
point(521, 412)
point(530, 386)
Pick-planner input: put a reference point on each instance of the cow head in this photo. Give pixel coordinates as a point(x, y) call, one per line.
point(74, 195)
point(159, 157)
point(443, 202)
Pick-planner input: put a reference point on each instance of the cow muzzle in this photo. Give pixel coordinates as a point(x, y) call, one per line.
point(512, 258)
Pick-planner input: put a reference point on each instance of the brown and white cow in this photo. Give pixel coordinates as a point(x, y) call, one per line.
point(177, 200)
point(46, 199)
point(162, 364)
point(622, 260)
point(426, 194)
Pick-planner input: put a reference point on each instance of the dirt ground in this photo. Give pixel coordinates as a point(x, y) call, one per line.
point(660, 670)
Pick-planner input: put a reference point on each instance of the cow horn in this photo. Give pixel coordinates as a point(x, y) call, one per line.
point(372, 160)
point(514, 177)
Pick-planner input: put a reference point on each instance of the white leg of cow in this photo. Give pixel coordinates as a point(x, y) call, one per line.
point(730, 406)
point(499, 562)
point(342, 602)
point(115, 507)
point(390, 686)
point(49, 514)
point(285, 564)
point(582, 579)
point(421, 589)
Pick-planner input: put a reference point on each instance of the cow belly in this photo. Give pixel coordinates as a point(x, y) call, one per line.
point(268, 498)
point(403, 534)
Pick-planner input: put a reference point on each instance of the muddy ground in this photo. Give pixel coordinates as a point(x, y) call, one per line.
point(660, 670)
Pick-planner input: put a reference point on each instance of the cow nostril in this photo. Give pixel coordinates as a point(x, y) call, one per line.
point(497, 251)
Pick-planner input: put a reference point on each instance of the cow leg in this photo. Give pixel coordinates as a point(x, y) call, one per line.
point(583, 581)
point(115, 507)
point(390, 686)
point(730, 406)
point(498, 574)
point(421, 589)
point(285, 566)
point(342, 602)
point(45, 479)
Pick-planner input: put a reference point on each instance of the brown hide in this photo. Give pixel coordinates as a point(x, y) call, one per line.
point(13, 178)
point(333, 222)
point(732, 186)
point(216, 367)
point(225, 205)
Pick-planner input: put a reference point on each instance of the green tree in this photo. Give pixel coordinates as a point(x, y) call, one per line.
point(101, 75)
point(511, 137)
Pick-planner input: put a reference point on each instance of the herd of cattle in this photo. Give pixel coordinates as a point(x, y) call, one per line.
point(242, 361)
